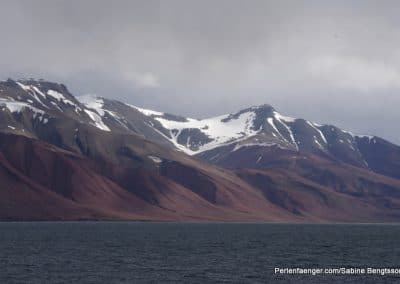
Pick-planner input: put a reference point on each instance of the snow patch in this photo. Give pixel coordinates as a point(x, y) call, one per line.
point(60, 97)
point(217, 129)
point(33, 91)
point(319, 132)
point(98, 122)
point(284, 118)
point(93, 102)
point(155, 159)
point(147, 112)
point(265, 144)
point(281, 120)
point(17, 107)
point(23, 87)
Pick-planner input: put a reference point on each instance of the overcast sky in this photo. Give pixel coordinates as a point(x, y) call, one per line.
point(329, 61)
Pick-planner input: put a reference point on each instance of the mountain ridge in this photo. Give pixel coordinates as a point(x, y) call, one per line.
point(257, 126)
point(96, 158)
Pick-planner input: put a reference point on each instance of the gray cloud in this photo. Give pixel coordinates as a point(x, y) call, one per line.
point(330, 61)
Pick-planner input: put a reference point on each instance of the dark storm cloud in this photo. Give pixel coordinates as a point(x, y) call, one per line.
point(329, 61)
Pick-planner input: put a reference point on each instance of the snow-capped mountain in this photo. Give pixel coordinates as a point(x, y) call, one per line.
point(254, 126)
point(31, 106)
point(220, 138)
point(66, 157)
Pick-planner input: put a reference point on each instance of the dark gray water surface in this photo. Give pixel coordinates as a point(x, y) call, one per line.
point(129, 252)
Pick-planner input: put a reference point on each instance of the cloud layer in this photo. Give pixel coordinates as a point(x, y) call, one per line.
point(330, 61)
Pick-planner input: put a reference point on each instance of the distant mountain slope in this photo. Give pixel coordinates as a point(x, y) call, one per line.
point(67, 158)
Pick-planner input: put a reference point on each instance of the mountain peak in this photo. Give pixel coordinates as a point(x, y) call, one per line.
point(263, 106)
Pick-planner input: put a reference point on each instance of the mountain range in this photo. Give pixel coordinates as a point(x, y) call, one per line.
point(91, 158)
